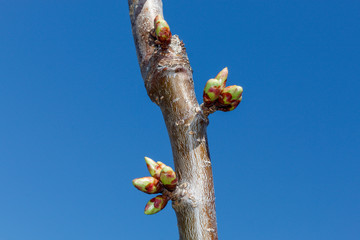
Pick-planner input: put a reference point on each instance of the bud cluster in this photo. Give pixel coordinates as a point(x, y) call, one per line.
point(162, 177)
point(224, 98)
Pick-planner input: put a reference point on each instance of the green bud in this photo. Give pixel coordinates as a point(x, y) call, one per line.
point(148, 185)
point(153, 167)
point(230, 94)
point(212, 91)
point(162, 30)
point(156, 204)
point(229, 98)
point(168, 178)
point(222, 76)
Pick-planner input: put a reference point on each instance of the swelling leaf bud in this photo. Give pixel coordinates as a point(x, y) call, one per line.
point(230, 94)
point(212, 91)
point(148, 185)
point(168, 178)
point(156, 204)
point(222, 77)
point(162, 30)
point(153, 167)
point(229, 98)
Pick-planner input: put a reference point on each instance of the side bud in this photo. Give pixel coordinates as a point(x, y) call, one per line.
point(162, 165)
point(148, 185)
point(162, 30)
point(156, 204)
point(153, 167)
point(222, 76)
point(168, 178)
point(230, 98)
point(212, 91)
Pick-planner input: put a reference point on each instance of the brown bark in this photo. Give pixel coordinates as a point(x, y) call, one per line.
point(168, 80)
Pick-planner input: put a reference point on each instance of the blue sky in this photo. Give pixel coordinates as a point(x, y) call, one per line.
point(76, 121)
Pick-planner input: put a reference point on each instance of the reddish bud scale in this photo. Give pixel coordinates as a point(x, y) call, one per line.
point(156, 204)
point(162, 165)
point(148, 185)
point(225, 98)
point(229, 107)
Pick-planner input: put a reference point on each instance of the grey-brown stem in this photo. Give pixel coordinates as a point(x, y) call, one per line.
point(168, 80)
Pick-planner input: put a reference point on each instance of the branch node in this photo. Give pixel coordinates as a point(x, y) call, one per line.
point(208, 110)
point(181, 196)
point(180, 122)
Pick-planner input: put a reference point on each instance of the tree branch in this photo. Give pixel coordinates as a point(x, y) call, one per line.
point(168, 80)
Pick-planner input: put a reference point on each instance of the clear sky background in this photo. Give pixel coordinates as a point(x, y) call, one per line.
point(75, 120)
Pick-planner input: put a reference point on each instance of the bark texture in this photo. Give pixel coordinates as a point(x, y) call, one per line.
point(168, 80)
